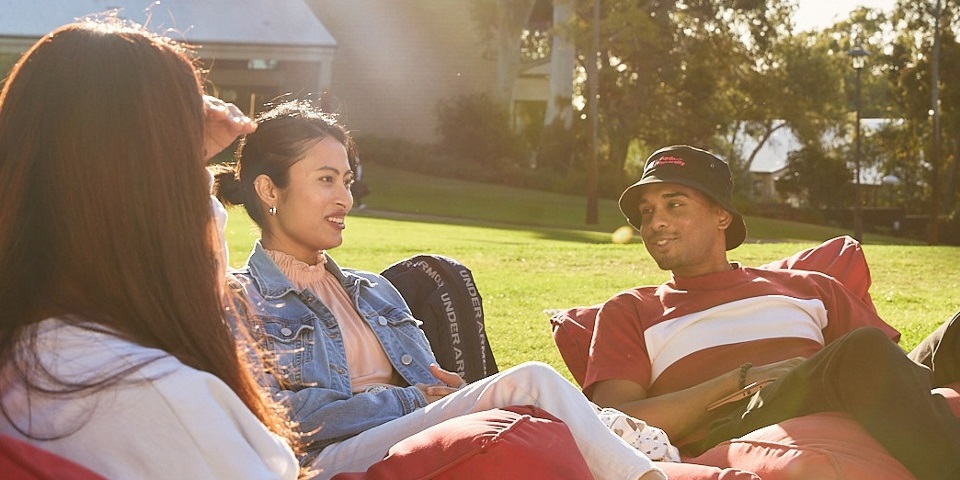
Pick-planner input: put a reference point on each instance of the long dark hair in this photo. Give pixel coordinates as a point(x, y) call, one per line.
point(105, 215)
point(284, 134)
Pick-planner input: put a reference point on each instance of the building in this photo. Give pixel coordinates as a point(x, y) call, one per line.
point(254, 50)
point(384, 66)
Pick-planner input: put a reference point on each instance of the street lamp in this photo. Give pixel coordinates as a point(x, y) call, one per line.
point(858, 55)
point(593, 87)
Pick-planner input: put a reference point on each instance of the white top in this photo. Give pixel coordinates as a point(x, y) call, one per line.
point(166, 421)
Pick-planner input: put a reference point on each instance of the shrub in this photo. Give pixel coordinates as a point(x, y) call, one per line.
point(477, 144)
point(474, 128)
point(394, 152)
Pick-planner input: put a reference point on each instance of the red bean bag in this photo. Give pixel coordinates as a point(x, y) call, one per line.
point(23, 461)
point(523, 442)
point(516, 442)
point(692, 471)
point(824, 446)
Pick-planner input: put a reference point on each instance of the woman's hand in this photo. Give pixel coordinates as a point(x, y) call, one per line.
point(450, 379)
point(449, 382)
point(223, 123)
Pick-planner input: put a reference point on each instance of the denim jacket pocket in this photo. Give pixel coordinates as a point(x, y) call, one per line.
point(404, 325)
point(290, 345)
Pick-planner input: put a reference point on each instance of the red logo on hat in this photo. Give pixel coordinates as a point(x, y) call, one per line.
point(667, 159)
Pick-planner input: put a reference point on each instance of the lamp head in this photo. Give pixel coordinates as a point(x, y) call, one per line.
point(858, 56)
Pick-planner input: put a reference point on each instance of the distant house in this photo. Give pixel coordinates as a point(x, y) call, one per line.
point(771, 163)
point(254, 49)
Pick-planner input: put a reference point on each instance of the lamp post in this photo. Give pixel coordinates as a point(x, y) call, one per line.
point(593, 87)
point(858, 55)
point(933, 230)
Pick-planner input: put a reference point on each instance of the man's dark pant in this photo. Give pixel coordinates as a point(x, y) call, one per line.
point(866, 375)
point(940, 352)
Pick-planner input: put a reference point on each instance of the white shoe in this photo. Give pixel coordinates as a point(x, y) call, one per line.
point(651, 441)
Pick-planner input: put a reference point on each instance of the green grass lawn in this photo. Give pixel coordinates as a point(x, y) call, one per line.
point(522, 270)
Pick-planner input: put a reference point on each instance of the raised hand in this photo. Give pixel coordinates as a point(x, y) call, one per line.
point(223, 123)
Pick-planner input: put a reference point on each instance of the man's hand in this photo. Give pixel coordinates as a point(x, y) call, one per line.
point(682, 412)
point(223, 123)
point(771, 371)
point(449, 382)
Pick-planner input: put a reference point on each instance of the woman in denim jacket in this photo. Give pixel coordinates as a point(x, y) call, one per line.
point(347, 355)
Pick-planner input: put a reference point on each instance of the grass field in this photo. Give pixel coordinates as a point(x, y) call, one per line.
point(522, 270)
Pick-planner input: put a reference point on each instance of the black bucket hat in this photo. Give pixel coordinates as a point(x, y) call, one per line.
point(694, 168)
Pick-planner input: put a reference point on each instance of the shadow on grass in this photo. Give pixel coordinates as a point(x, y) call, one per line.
point(759, 230)
point(544, 232)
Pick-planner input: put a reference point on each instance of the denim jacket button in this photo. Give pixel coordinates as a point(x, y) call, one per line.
point(406, 359)
point(383, 321)
point(285, 331)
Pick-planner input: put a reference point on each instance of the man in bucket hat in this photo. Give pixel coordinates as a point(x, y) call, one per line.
point(694, 168)
point(720, 349)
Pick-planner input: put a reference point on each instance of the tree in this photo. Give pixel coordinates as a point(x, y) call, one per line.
point(477, 129)
point(502, 22)
point(795, 84)
point(641, 79)
point(909, 70)
point(897, 148)
point(698, 71)
point(819, 178)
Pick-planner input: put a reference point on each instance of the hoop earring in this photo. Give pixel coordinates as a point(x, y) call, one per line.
point(272, 210)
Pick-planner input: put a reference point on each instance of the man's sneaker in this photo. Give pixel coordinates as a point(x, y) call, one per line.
point(651, 441)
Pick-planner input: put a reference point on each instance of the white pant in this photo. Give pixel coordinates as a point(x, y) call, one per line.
point(532, 383)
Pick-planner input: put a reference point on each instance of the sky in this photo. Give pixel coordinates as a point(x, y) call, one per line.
point(823, 13)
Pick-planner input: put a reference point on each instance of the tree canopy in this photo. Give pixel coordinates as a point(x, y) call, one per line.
point(716, 73)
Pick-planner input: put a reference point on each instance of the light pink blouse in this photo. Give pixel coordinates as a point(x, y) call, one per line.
point(367, 362)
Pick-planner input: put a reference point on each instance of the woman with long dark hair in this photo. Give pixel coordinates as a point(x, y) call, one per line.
point(114, 348)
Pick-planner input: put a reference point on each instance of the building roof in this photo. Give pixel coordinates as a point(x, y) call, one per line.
point(251, 22)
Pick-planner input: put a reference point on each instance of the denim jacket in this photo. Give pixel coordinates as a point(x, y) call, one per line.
point(304, 341)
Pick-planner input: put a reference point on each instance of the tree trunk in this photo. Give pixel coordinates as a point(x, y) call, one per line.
point(760, 143)
point(562, 64)
point(512, 16)
point(619, 145)
point(732, 154)
point(953, 172)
